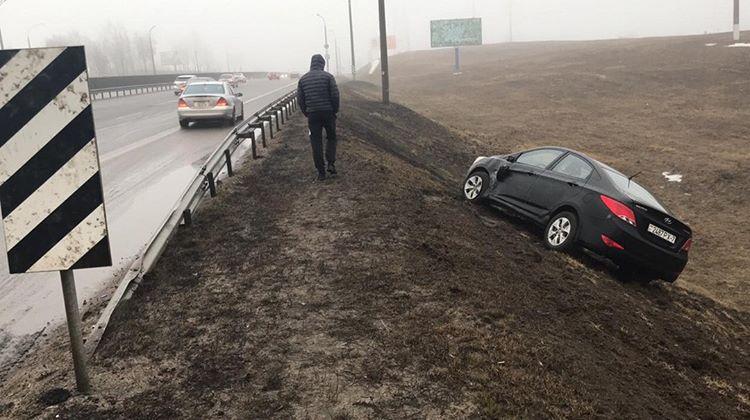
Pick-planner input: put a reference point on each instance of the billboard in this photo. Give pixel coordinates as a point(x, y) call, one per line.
point(456, 32)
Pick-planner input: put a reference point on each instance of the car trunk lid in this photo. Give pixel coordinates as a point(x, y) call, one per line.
point(656, 226)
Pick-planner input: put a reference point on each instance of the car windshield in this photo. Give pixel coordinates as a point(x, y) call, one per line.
point(198, 89)
point(634, 190)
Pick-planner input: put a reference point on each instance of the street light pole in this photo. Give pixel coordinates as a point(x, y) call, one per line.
point(325, 34)
point(151, 46)
point(351, 38)
point(384, 54)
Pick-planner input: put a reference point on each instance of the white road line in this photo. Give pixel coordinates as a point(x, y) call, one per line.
point(22, 69)
point(66, 181)
point(133, 146)
point(75, 244)
point(42, 128)
point(269, 93)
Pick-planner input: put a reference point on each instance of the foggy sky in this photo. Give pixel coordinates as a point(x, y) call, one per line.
point(282, 34)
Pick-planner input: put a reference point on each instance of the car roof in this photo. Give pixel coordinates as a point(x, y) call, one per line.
point(208, 82)
point(186, 75)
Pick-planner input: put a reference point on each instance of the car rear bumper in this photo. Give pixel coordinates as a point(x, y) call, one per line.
point(637, 250)
point(205, 114)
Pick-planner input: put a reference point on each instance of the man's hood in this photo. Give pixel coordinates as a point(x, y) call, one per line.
point(317, 62)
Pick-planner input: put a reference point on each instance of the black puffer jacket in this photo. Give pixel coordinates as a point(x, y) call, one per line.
point(317, 90)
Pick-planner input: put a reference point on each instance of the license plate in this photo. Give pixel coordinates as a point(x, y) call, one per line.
point(662, 234)
point(202, 104)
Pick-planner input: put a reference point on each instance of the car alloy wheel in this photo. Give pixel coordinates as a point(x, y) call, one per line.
point(473, 187)
point(561, 231)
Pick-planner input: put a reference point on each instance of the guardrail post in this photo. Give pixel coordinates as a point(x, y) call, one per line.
point(228, 155)
point(278, 124)
point(253, 146)
point(187, 217)
point(211, 184)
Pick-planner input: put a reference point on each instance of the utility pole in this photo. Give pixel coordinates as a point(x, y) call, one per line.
point(736, 20)
point(384, 54)
point(325, 35)
point(351, 38)
point(151, 45)
point(510, 19)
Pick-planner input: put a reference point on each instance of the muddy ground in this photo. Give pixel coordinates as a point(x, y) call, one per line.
point(382, 294)
point(654, 105)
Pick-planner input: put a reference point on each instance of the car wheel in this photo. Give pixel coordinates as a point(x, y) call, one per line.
point(184, 124)
point(560, 234)
point(476, 185)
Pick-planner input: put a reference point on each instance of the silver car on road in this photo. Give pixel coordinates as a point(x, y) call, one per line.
point(210, 101)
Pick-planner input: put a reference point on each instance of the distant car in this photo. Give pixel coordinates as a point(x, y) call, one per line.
point(295, 75)
point(228, 78)
point(240, 77)
point(274, 76)
point(210, 101)
point(581, 200)
point(181, 82)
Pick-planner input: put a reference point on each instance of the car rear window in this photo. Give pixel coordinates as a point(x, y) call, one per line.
point(635, 191)
point(198, 89)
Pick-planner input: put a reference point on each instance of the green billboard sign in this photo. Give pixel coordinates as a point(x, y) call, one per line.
point(456, 32)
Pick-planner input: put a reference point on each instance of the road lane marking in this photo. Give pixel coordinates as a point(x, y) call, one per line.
point(269, 93)
point(133, 146)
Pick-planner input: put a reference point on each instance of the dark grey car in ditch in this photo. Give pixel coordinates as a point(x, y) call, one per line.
point(581, 200)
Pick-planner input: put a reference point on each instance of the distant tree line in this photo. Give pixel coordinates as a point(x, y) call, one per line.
point(119, 52)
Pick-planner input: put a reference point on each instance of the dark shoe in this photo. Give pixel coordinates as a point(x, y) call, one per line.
point(332, 169)
point(322, 177)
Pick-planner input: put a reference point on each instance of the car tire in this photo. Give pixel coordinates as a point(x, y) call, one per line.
point(475, 186)
point(184, 124)
point(560, 233)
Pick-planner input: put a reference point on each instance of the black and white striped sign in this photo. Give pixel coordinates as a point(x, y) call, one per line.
point(50, 185)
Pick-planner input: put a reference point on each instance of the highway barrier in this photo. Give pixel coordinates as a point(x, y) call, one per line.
point(117, 91)
point(261, 125)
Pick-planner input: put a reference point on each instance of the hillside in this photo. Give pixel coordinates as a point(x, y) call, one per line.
point(382, 294)
point(664, 105)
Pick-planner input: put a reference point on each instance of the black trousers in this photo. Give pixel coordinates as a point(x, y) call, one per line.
point(317, 121)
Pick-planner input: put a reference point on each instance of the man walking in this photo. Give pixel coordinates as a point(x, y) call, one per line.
point(319, 101)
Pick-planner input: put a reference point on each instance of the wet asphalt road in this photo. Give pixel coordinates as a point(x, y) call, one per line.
point(147, 161)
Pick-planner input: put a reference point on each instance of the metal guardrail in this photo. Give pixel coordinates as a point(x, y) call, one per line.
point(116, 92)
point(262, 124)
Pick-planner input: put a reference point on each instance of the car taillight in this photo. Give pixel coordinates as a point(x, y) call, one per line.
point(611, 243)
point(618, 209)
point(688, 245)
point(222, 102)
point(182, 104)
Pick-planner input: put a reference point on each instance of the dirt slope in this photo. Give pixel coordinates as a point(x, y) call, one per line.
point(381, 294)
point(654, 105)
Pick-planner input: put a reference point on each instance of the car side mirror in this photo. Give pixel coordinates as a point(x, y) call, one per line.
point(511, 158)
point(239, 94)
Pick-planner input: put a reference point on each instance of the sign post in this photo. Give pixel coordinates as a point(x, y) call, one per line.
point(456, 33)
point(51, 193)
point(74, 330)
